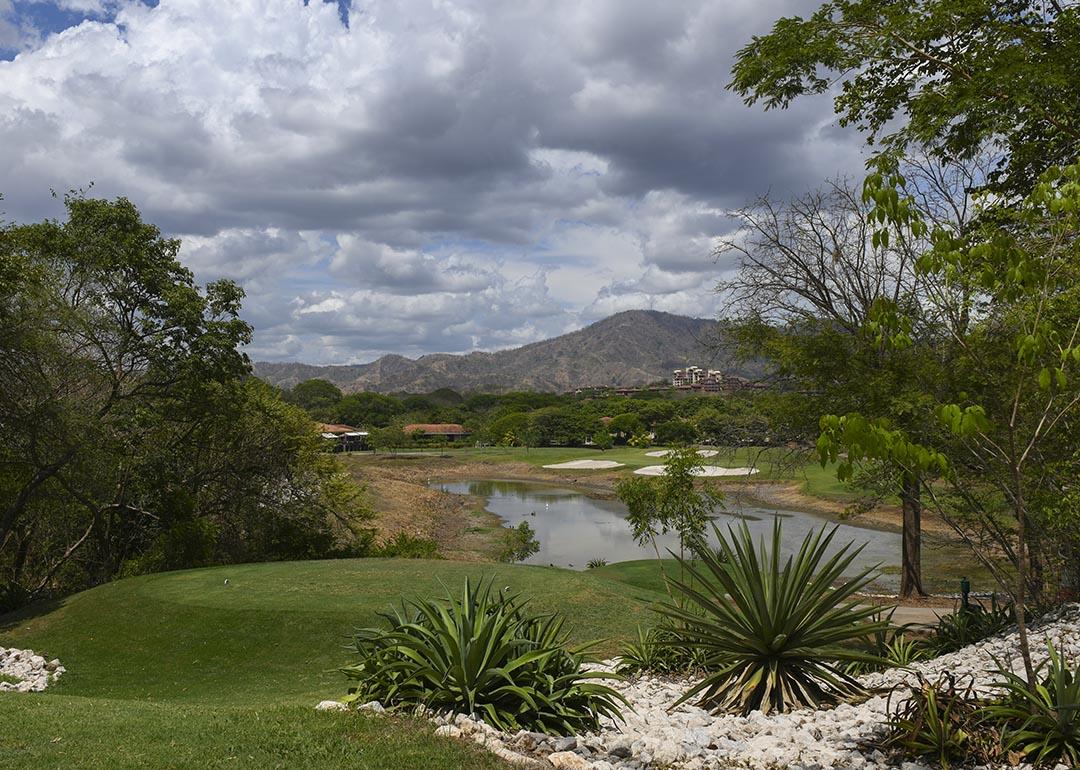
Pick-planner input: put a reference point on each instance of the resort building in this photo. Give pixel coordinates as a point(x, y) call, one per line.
point(449, 431)
point(345, 438)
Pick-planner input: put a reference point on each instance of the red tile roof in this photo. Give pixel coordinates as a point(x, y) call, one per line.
point(334, 428)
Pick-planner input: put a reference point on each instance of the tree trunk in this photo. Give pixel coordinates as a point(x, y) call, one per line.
point(911, 557)
point(1023, 566)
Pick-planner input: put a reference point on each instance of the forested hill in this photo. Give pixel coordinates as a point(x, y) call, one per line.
point(634, 347)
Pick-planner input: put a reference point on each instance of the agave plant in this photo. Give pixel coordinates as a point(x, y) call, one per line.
point(969, 625)
point(773, 630)
point(891, 646)
point(660, 650)
point(482, 654)
point(945, 721)
point(1043, 718)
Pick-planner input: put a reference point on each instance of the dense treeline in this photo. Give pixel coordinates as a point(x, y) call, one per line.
point(132, 436)
point(547, 419)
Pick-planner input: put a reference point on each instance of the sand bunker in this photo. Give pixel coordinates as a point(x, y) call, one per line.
point(580, 465)
point(666, 452)
point(708, 470)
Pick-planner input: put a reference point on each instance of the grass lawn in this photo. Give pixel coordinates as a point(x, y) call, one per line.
point(772, 463)
point(180, 670)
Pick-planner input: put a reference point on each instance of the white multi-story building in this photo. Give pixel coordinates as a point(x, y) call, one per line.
point(693, 376)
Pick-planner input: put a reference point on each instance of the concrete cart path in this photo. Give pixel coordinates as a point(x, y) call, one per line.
point(926, 616)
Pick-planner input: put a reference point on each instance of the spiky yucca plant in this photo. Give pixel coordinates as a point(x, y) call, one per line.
point(773, 630)
point(481, 653)
point(1042, 719)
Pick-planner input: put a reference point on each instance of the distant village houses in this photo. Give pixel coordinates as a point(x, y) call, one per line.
point(436, 431)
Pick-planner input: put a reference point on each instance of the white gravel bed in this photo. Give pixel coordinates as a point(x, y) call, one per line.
point(33, 671)
point(706, 470)
point(578, 465)
point(689, 738)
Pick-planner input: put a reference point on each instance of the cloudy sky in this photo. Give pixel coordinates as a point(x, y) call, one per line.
point(411, 176)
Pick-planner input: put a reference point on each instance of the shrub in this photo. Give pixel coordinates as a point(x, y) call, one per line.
point(519, 543)
point(595, 563)
point(1042, 721)
point(660, 650)
point(891, 648)
point(481, 654)
point(772, 630)
point(405, 546)
point(969, 625)
point(943, 721)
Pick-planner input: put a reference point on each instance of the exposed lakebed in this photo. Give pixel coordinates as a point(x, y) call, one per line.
point(573, 528)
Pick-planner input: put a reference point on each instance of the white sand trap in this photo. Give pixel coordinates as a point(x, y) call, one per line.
point(708, 470)
point(666, 452)
point(581, 465)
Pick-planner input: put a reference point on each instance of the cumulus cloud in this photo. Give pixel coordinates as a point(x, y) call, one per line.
point(433, 175)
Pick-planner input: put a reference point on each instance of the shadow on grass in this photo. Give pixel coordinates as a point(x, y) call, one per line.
point(10, 620)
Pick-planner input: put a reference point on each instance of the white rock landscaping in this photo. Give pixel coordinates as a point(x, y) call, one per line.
point(32, 672)
point(689, 738)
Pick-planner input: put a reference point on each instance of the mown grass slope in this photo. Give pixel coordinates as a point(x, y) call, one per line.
point(181, 670)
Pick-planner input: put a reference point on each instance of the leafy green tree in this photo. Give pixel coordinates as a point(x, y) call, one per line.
point(391, 438)
point(956, 77)
point(520, 543)
point(603, 440)
point(1016, 393)
point(559, 426)
point(676, 433)
point(514, 424)
point(373, 410)
point(317, 397)
point(131, 434)
point(626, 425)
point(671, 502)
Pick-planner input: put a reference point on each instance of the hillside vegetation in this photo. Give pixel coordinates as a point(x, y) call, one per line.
point(635, 347)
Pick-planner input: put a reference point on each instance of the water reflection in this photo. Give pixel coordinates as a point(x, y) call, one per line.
point(573, 528)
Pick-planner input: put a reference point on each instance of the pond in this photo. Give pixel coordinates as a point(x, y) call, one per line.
point(573, 528)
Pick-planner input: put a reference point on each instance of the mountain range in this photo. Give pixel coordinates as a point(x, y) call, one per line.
point(635, 347)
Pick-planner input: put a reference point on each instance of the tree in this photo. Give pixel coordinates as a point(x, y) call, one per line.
point(559, 426)
point(388, 438)
point(317, 397)
point(676, 433)
point(1015, 367)
point(813, 280)
point(131, 434)
point(669, 503)
point(959, 78)
point(626, 425)
point(603, 440)
point(368, 410)
point(520, 543)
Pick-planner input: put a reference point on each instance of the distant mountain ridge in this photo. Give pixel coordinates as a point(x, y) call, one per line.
point(635, 347)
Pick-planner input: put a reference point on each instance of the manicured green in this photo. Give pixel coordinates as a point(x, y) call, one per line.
point(772, 463)
point(56, 731)
point(181, 670)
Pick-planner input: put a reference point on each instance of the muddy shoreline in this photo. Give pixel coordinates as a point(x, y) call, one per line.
point(400, 489)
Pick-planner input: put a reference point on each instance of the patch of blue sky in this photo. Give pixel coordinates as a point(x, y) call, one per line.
point(37, 19)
